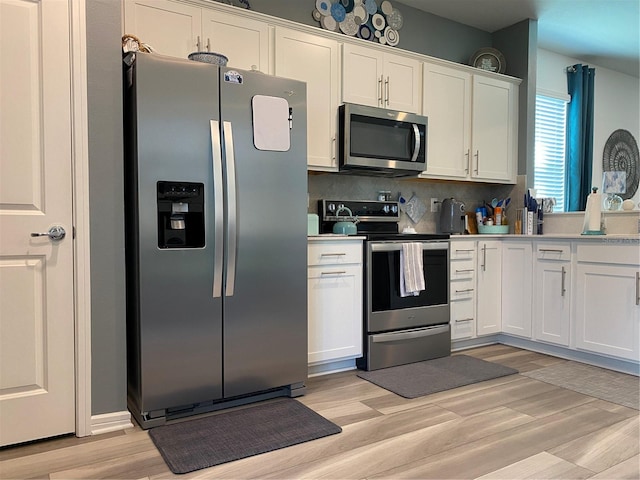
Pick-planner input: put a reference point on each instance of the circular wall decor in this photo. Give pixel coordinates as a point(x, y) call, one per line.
point(621, 155)
point(381, 19)
point(490, 59)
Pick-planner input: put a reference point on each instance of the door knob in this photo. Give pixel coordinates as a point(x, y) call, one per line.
point(55, 233)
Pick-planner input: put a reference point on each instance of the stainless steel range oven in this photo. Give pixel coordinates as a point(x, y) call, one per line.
point(398, 329)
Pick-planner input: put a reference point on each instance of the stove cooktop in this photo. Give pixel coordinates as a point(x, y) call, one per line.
point(404, 237)
point(377, 220)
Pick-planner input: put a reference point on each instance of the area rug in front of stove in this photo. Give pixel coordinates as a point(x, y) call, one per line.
point(432, 376)
point(207, 441)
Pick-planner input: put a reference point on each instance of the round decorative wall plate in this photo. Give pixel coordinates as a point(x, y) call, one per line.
point(372, 20)
point(489, 59)
point(620, 154)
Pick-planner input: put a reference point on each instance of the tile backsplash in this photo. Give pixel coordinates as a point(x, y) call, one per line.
point(355, 187)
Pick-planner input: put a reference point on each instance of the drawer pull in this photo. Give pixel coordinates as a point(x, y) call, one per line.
point(332, 254)
point(637, 288)
point(336, 272)
point(465, 250)
point(465, 271)
point(551, 250)
point(465, 290)
point(464, 320)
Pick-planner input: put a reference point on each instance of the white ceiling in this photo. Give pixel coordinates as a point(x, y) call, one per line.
point(601, 32)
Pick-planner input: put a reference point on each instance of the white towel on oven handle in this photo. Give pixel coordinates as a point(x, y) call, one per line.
point(411, 270)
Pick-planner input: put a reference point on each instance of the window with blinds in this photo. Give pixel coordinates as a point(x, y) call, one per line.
point(550, 137)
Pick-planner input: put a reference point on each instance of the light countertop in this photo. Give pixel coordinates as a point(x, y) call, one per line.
point(635, 237)
point(334, 236)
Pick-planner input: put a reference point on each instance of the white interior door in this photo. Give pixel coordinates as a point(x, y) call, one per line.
point(37, 377)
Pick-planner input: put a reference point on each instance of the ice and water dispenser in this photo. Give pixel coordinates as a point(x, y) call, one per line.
point(180, 215)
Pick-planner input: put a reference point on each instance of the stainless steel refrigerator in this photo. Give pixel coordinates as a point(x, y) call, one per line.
point(216, 222)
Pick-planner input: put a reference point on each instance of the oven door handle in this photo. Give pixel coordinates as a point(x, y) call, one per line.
point(397, 246)
point(409, 334)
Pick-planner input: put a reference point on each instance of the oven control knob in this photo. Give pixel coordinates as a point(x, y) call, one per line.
point(386, 209)
point(331, 207)
point(394, 208)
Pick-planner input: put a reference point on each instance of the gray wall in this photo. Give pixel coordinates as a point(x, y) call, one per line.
point(422, 33)
point(518, 43)
point(108, 349)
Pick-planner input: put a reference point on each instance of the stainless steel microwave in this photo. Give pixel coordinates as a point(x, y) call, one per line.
point(376, 141)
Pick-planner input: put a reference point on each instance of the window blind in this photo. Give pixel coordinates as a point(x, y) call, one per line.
point(550, 138)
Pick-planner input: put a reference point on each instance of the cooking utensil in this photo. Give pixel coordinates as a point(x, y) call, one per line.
point(347, 225)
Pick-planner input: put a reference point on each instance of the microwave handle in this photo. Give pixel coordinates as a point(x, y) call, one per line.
point(416, 142)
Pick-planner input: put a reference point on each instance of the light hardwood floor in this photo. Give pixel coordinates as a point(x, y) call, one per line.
point(513, 427)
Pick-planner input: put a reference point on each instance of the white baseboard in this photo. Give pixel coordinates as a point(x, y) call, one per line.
point(331, 367)
point(110, 422)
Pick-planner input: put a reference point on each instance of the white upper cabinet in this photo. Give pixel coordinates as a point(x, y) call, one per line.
point(314, 60)
point(494, 130)
point(170, 28)
point(371, 77)
point(245, 42)
point(473, 125)
point(176, 29)
point(447, 104)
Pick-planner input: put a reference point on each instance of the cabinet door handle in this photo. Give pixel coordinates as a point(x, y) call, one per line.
point(332, 254)
point(198, 44)
point(335, 272)
point(333, 149)
point(477, 155)
point(465, 290)
point(637, 288)
point(208, 44)
point(380, 90)
point(484, 258)
point(464, 320)
point(387, 88)
point(466, 170)
point(562, 288)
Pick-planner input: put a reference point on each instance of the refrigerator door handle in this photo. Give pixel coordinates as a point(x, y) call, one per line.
point(231, 208)
point(218, 213)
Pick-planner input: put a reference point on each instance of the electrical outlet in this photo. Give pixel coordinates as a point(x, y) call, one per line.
point(435, 205)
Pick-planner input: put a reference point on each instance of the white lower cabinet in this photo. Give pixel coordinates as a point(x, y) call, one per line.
point(607, 310)
point(462, 289)
point(552, 293)
point(517, 271)
point(334, 300)
point(489, 288)
point(580, 295)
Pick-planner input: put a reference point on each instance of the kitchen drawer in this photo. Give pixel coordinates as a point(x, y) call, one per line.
point(463, 320)
point(334, 252)
point(463, 269)
point(464, 289)
point(618, 253)
point(553, 251)
point(462, 250)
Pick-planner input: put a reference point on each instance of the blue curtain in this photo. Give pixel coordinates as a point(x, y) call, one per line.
point(580, 80)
